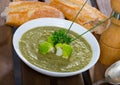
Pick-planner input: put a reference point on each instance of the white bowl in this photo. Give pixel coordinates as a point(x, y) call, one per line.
point(61, 23)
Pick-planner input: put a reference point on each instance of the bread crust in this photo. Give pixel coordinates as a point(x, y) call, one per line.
point(88, 17)
point(22, 11)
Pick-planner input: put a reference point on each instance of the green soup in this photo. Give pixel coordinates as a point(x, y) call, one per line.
point(30, 40)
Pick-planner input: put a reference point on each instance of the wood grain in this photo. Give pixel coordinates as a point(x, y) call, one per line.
point(6, 59)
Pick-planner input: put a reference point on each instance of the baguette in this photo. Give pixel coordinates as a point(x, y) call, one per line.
point(88, 17)
point(20, 12)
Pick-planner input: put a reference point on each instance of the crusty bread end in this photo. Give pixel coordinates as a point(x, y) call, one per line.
point(20, 12)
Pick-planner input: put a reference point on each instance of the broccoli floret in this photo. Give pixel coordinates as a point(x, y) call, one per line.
point(63, 50)
point(67, 51)
point(59, 49)
point(45, 47)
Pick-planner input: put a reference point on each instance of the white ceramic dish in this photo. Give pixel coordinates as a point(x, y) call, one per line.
point(61, 23)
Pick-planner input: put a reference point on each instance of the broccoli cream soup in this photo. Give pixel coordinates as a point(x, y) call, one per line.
point(80, 57)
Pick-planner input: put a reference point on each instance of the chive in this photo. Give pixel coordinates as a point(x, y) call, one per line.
point(93, 27)
point(76, 17)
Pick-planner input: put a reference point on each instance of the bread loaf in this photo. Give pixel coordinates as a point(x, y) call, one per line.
point(20, 12)
point(88, 17)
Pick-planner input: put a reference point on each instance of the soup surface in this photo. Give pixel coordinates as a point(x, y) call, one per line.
point(30, 40)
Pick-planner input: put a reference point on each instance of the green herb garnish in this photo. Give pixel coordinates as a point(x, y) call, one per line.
point(59, 36)
point(93, 27)
point(76, 17)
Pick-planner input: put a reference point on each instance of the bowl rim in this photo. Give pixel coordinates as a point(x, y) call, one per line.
point(42, 22)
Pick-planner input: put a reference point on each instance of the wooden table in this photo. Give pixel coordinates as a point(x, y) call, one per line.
point(10, 76)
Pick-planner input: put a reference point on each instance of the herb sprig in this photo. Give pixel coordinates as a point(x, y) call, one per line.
point(60, 36)
point(93, 27)
point(76, 16)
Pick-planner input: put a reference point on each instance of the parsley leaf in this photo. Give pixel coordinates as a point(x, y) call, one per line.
point(60, 36)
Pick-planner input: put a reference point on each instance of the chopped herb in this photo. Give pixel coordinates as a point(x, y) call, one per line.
point(60, 36)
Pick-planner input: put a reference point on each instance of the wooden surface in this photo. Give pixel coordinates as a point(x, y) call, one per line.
point(29, 76)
